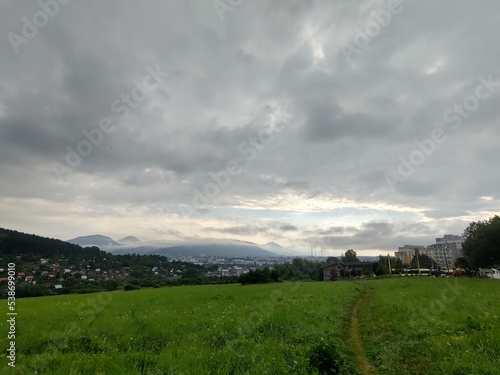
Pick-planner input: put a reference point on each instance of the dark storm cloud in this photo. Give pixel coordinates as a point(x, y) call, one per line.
point(350, 122)
point(327, 122)
point(374, 235)
point(288, 228)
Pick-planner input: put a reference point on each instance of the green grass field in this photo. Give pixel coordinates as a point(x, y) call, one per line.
point(432, 326)
point(406, 326)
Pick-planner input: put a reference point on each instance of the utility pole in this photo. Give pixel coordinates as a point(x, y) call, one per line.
point(446, 260)
point(418, 262)
point(389, 261)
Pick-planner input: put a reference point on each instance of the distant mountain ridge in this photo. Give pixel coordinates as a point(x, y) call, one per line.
point(209, 247)
point(129, 239)
point(278, 249)
point(94, 240)
point(221, 250)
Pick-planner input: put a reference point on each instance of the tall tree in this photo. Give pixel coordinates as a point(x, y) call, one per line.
point(350, 256)
point(382, 267)
point(462, 262)
point(482, 242)
point(424, 260)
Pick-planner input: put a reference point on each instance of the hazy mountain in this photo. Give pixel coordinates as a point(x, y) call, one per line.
point(94, 240)
point(193, 247)
point(221, 250)
point(129, 240)
point(278, 249)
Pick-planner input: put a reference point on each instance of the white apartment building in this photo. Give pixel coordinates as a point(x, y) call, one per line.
point(454, 242)
point(445, 250)
point(441, 254)
point(407, 252)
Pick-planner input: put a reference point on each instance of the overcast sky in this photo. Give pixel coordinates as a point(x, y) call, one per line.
point(333, 124)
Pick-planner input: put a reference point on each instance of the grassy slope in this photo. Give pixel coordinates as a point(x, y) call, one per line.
point(288, 328)
point(407, 326)
point(433, 326)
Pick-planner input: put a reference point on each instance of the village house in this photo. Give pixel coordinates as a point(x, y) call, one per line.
point(340, 270)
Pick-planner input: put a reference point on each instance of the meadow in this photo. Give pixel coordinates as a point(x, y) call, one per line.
point(395, 326)
point(432, 326)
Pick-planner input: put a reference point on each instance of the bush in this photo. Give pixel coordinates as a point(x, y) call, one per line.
point(259, 276)
point(131, 287)
point(146, 283)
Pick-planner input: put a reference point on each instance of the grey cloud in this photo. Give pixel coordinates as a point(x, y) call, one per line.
point(350, 121)
point(288, 228)
point(240, 230)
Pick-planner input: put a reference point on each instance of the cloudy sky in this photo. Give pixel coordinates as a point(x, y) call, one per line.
point(361, 124)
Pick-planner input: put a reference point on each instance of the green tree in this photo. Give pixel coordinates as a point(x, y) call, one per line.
point(111, 284)
point(192, 273)
point(424, 260)
point(350, 256)
point(381, 269)
point(462, 262)
point(397, 264)
point(482, 242)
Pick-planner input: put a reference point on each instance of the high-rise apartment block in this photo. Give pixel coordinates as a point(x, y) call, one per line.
point(443, 252)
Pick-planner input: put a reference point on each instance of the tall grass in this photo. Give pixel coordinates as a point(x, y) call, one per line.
point(408, 326)
point(433, 326)
point(287, 328)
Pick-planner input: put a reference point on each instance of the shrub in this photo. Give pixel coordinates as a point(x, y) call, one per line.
point(131, 287)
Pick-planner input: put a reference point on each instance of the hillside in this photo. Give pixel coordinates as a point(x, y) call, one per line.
point(17, 243)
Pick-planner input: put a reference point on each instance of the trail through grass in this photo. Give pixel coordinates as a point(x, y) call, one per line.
point(356, 343)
